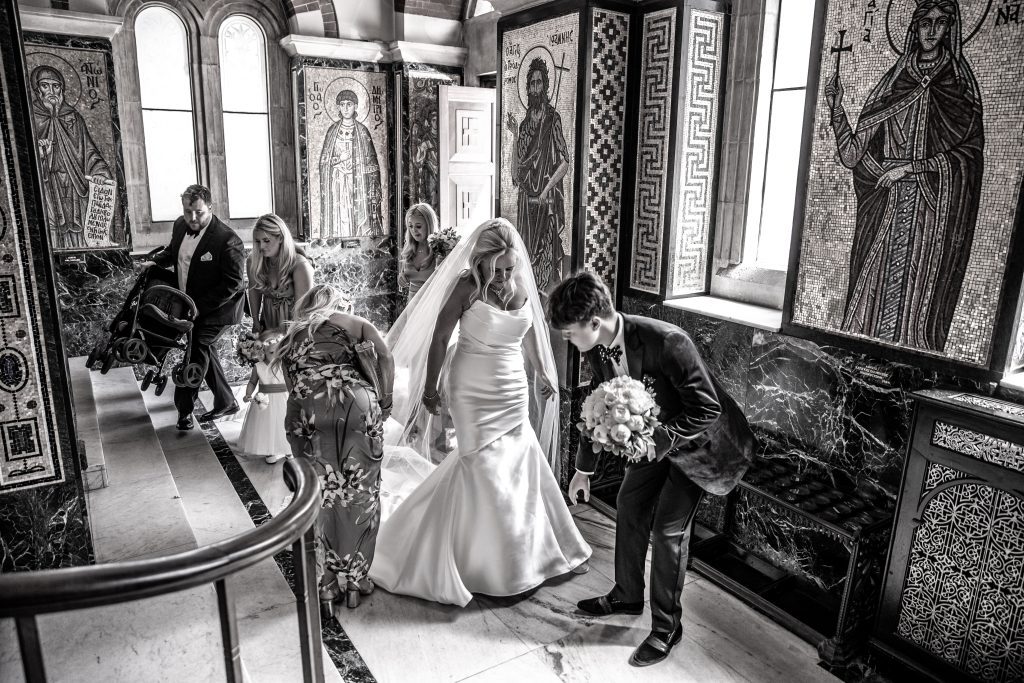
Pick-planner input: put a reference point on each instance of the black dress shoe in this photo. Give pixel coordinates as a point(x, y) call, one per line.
point(218, 413)
point(604, 605)
point(185, 422)
point(656, 647)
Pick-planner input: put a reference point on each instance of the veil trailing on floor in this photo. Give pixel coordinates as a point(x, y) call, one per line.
point(409, 341)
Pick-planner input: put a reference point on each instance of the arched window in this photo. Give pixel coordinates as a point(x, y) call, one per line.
point(165, 89)
point(243, 79)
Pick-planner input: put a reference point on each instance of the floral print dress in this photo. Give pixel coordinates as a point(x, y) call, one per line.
point(334, 419)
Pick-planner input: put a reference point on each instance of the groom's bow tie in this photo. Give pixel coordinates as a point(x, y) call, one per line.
point(610, 354)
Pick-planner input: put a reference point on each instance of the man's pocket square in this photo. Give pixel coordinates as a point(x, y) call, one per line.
point(206, 257)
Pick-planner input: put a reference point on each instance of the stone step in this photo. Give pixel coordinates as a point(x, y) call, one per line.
point(264, 603)
point(139, 514)
point(88, 427)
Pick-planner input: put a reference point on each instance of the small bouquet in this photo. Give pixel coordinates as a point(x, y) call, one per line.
point(442, 242)
point(261, 400)
point(250, 349)
point(619, 417)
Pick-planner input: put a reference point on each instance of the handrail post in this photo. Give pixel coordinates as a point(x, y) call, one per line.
point(229, 632)
point(31, 649)
point(307, 598)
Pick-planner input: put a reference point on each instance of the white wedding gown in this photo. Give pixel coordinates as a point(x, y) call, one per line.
point(490, 518)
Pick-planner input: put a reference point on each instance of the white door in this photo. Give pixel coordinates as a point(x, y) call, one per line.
point(467, 153)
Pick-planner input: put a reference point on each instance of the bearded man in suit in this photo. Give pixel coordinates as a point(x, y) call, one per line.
point(209, 260)
point(703, 444)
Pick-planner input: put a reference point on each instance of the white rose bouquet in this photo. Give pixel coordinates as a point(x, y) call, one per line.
point(619, 416)
point(442, 242)
point(261, 400)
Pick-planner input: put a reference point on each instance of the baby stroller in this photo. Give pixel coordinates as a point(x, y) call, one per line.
point(155, 318)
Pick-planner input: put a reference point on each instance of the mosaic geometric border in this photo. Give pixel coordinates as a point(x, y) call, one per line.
point(31, 454)
point(978, 446)
point(696, 203)
point(652, 149)
point(610, 46)
point(990, 403)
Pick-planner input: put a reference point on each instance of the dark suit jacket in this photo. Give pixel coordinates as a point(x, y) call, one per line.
point(216, 284)
point(703, 432)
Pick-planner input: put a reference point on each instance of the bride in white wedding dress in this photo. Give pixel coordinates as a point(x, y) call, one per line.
point(490, 518)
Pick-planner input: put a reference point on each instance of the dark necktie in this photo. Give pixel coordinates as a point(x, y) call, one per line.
point(609, 354)
point(192, 234)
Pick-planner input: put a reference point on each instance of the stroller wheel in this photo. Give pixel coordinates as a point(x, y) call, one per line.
point(192, 375)
point(161, 382)
point(147, 380)
point(135, 350)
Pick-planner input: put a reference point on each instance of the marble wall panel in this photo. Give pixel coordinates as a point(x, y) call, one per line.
point(78, 140)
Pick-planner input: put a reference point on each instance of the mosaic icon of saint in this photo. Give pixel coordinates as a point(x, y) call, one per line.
point(350, 185)
point(540, 159)
point(68, 159)
point(426, 186)
point(917, 161)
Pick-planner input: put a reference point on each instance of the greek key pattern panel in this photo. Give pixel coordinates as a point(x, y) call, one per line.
point(963, 599)
point(696, 205)
point(652, 149)
point(610, 47)
point(990, 403)
point(979, 446)
point(29, 447)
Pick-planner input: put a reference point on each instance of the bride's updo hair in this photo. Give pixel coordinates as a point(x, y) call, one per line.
point(495, 240)
point(312, 310)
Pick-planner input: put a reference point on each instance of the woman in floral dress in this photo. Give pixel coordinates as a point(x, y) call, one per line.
point(335, 418)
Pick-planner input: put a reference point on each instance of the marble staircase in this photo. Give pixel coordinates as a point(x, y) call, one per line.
point(160, 492)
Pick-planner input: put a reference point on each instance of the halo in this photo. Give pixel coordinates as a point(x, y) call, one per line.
point(72, 82)
point(974, 15)
point(347, 83)
point(524, 70)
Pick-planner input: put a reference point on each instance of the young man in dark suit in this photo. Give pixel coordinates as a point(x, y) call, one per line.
point(209, 260)
point(703, 444)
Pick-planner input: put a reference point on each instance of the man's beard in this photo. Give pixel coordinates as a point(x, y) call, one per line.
point(535, 100)
point(52, 103)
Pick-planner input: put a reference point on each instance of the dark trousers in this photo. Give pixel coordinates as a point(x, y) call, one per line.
point(656, 501)
point(204, 336)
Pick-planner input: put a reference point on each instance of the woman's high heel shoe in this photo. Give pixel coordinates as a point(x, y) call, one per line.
point(327, 598)
point(354, 592)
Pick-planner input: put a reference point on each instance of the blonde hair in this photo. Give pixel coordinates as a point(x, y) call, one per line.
point(274, 226)
point(425, 212)
point(496, 239)
point(312, 310)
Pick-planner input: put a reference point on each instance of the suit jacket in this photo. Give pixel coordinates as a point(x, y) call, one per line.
point(216, 275)
point(703, 432)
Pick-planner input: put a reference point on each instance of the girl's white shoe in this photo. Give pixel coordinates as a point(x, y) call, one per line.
point(271, 459)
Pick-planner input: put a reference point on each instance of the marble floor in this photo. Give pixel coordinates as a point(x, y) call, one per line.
point(540, 636)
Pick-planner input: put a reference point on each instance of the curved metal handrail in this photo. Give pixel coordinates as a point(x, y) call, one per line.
point(24, 595)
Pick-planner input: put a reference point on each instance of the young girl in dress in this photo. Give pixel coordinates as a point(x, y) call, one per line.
point(263, 430)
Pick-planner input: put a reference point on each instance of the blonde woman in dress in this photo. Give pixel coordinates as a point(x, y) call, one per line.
point(279, 274)
point(417, 262)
